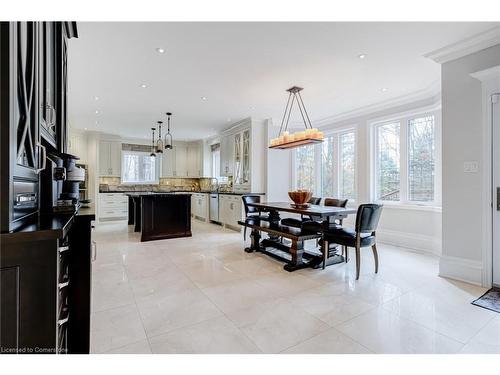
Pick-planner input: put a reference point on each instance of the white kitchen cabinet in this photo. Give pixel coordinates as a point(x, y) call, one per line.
point(168, 163)
point(230, 211)
point(77, 145)
point(194, 160)
point(113, 206)
point(227, 155)
point(110, 154)
point(180, 160)
point(199, 206)
point(245, 146)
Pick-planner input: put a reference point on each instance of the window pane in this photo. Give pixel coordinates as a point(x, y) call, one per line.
point(138, 168)
point(388, 167)
point(347, 166)
point(327, 167)
point(304, 167)
point(421, 159)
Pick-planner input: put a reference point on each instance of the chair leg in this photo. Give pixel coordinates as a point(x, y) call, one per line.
point(245, 234)
point(358, 262)
point(325, 252)
point(346, 254)
point(375, 257)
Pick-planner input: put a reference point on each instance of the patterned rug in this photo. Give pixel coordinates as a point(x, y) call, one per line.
point(489, 300)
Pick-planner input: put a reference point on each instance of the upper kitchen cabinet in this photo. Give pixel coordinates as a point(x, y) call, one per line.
point(52, 83)
point(180, 160)
point(194, 159)
point(110, 154)
point(243, 156)
point(48, 73)
point(31, 67)
point(184, 160)
point(168, 163)
point(77, 145)
point(227, 155)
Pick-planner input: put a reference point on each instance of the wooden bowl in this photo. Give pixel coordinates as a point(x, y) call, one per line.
point(300, 197)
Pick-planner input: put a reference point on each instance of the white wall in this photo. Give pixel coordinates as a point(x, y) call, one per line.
point(279, 178)
point(463, 140)
point(417, 228)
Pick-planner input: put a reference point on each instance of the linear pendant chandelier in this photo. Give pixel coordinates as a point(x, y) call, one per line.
point(309, 135)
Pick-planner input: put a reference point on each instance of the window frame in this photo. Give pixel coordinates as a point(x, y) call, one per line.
point(336, 134)
point(157, 168)
point(403, 119)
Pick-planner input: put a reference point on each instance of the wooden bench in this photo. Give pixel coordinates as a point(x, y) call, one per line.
point(295, 256)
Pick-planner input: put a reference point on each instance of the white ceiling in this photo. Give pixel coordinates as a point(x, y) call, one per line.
point(243, 69)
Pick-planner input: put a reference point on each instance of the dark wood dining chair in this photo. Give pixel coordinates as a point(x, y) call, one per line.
point(252, 212)
point(363, 235)
point(297, 223)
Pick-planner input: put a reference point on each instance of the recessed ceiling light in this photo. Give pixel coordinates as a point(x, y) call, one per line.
point(362, 56)
point(384, 89)
point(96, 112)
point(160, 50)
point(203, 98)
point(144, 85)
point(96, 98)
point(84, 128)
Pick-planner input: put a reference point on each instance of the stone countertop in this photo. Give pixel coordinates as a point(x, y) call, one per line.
point(155, 194)
point(47, 226)
point(177, 191)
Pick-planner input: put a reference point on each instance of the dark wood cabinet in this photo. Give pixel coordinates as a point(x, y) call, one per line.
point(45, 289)
point(44, 259)
point(33, 110)
point(49, 74)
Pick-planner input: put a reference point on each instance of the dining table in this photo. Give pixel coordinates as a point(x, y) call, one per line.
point(294, 254)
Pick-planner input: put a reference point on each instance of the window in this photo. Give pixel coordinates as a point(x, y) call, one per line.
point(405, 160)
point(387, 162)
point(328, 179)
point(347, 168)
point(305, 167)
point(335, 161)
point(139, 167)
point(421, 159)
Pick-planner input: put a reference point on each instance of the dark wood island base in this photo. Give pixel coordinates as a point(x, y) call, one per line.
point(160, 216)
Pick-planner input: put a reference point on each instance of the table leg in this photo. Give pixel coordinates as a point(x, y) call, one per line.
point(274, 219)
point(255, 241)
point(296, 250)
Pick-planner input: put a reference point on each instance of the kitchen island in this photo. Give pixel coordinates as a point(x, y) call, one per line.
point(160, 216)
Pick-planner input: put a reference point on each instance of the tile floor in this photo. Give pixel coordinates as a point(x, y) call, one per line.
point(206, 295)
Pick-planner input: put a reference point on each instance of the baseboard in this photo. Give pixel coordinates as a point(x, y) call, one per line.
point(419, 242)
point(469, 271)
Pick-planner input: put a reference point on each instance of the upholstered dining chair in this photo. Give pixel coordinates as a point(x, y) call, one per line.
point(363, 235)
point(315, 226)
point(297, 223)
point(252, 212)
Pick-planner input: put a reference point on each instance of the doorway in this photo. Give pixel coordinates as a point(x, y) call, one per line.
point(495, 119)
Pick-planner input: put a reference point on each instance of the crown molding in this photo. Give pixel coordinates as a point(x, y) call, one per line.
point(432, 91)
point(466, 46)
point(487, 74)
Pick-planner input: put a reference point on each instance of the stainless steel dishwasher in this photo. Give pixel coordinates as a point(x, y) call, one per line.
point(214, 207)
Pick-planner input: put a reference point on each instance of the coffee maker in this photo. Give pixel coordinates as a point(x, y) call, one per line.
point(60, 181)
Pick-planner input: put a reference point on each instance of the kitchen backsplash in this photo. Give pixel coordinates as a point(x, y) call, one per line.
point(166, 184)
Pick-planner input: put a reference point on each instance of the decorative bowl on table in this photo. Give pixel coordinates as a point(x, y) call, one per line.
point(300, 198)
